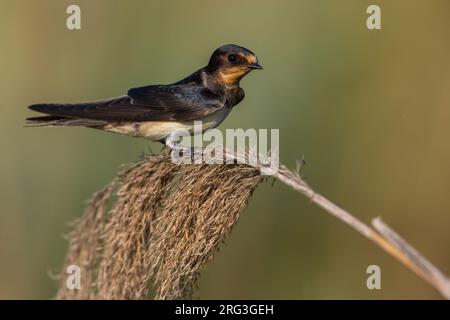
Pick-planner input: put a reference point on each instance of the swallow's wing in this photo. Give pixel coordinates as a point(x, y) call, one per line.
point(177, 102)
point(151, 103)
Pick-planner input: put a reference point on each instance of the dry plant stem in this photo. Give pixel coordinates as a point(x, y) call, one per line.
point(427, 269)
point(385, 238)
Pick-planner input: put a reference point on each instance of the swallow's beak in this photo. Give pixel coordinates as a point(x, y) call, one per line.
point(255, 65)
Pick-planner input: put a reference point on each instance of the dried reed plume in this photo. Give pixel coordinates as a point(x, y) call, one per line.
point(168, 220)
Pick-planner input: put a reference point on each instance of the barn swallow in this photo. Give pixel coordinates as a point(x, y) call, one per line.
point(157, 111)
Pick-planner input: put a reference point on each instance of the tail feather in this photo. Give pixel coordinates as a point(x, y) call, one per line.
point(52, 120)
point(55, 121)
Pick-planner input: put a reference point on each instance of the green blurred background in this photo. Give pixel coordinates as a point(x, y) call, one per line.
point(369, 110)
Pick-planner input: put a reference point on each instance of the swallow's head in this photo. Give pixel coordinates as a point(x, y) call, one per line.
point(231, 62)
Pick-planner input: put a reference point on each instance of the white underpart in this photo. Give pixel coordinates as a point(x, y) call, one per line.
point(160, 130)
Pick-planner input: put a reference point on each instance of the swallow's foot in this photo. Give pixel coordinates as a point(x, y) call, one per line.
point(193, 155)
point(188, 154)
point(196, 155)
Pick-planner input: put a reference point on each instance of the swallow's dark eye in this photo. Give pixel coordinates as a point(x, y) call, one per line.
point(231, 58)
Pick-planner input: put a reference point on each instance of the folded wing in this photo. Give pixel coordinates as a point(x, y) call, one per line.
point(150, 103)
